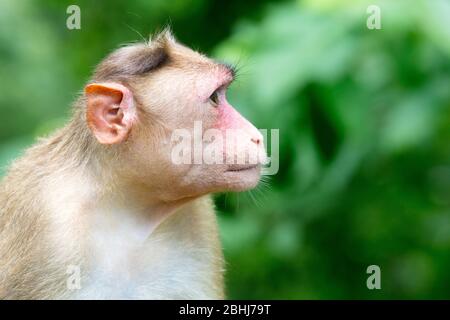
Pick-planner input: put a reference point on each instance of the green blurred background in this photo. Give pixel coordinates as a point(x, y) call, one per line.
point(364, 119)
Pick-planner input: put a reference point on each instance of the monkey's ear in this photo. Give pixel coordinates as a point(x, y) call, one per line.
point(110, 111)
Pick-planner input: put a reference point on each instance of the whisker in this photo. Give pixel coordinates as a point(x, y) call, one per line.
point(254, 199)
point(226, 200)
point(132, 29)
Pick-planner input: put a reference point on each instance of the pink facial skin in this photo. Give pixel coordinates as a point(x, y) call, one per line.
point(218, 79)
point(226, 117)
point(229, 118)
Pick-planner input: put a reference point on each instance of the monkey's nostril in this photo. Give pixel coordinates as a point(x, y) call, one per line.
point(255, 140)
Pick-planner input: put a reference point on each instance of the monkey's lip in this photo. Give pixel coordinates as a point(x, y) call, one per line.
point(240, 167)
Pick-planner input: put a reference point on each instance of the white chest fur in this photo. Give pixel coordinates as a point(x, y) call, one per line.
point(130, 256)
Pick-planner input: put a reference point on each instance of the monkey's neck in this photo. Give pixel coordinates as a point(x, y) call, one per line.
point(116, 222)
point(85, 184)
point(109, 218)
point(122, 215)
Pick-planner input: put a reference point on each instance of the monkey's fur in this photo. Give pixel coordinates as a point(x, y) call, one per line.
point(68, 186)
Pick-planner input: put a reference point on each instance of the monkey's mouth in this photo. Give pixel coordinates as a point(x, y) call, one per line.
point(239, 168)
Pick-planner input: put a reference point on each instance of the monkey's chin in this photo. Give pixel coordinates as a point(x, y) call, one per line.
point(242, 178)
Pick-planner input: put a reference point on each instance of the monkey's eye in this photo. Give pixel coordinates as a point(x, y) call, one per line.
point(214, 98)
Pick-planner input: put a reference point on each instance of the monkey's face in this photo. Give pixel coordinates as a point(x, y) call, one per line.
point(192, 137)
point(183, 138)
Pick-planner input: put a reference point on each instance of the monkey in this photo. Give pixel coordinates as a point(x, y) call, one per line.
point(99, 210)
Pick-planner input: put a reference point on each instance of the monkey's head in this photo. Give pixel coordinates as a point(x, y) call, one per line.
point(161, 109)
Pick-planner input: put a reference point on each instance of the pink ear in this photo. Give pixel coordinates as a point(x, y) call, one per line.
point(110, 111)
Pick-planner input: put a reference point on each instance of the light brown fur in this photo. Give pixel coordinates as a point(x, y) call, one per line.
point(53, 199)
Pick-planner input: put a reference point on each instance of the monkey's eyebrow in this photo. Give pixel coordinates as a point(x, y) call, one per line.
point(231, 69)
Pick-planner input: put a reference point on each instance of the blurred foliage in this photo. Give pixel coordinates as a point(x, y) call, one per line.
point(364, 119)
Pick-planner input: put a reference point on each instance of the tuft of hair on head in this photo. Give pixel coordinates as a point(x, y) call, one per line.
point(164, 37)
point(136, 59)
